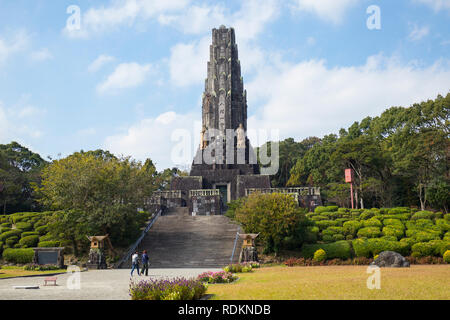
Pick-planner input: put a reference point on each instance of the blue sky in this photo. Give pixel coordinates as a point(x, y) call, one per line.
point(134, 72)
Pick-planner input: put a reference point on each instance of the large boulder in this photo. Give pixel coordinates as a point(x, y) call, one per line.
point(390, 259)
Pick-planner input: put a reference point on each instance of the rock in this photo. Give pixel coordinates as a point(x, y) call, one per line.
point(390, 259)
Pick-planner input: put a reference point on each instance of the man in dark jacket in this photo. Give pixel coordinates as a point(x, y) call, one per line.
point(145, 263)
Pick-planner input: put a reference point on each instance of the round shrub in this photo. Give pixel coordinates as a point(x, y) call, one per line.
point(29, 241)
point(4, 229)
point(397, 223)
point(319, 217)
point(422, 249)
point(447, 216)
point(320, 255)
point(335, 250)
point(30, 233)
point(423, 215)
point(361, 248)
point(446, 256)
point(320, 209)
point(338, 237)
point(10, 242)
point(9, 234)
point(47, 237)
point(327, 223)
point(372, 222)
point(367, 214)
point(48, 244)
point(393, 231)
point(369, 232)
point(6, 224)
point(352, 227)
point(443, 224)
point(398, 210)
point(25, 226)
point(42, 229)
point(422, 236)
point(18, 255)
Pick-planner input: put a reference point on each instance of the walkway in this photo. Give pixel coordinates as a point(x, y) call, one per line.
point(95, 285)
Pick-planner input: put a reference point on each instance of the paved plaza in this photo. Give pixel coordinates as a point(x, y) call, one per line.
point(95, 285)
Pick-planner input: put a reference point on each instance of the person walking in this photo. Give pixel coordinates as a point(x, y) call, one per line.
point(145, 263)
point(135, 263)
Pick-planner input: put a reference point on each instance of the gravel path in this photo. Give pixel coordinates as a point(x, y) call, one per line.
point(95, 285)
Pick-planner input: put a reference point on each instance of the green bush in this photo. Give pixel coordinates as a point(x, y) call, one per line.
point(352, 227)
point(399, 210)
point(10, 242)
point(447, 217)
point(446, 256)
point(392, 231)
point(320, 255)
point(372, 222)
point(47, 237)
point(320, 209)
point(369, 232)
point(9, 234)
point(397, 223)
point(423, 215)
point(335, 250)
point(366, 214)
point(319, 217)
point(324, 224)
point(29, 233)
point(430, 248)
point(29, 241)
point(18, 255)
point(42, 229)
point(422, 236)
point(6, 224)
point(25, 226)
point(446, 236)
point(4, 229)
point(48, 244)
point(443, 224)
point(371, 247)
point(333, 230)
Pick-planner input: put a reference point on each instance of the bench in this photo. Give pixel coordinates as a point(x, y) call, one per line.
point(50, 279)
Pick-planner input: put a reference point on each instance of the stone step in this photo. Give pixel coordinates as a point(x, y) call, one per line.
point(179, 240)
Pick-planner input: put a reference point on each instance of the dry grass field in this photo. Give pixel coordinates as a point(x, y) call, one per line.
point(337, 282)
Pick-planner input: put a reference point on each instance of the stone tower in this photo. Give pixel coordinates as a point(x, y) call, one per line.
point(224, 99)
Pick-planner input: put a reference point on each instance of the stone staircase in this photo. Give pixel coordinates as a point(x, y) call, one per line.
point(179, 240)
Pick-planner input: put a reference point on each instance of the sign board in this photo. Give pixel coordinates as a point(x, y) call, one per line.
point(48, 257)
point(348, 175)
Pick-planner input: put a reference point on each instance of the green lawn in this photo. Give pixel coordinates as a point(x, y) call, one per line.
point(10, 272)
point(337, 282)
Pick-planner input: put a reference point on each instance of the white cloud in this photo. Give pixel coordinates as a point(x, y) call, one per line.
point(329, 10)
point(17, 43)
point(41, 55)
point(250, 19)
point(98, 63)
point(126, 75)
point(436, 5)
point(187, 63)
point(310, 98)
point(152, 138)
point(417, 33)
point(122, 13)
point(19, 124)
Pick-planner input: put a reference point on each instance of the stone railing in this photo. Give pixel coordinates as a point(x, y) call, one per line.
point(168, 194)
point(302, 191)
point(204, 193)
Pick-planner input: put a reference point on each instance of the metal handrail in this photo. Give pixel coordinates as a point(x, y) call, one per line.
point(138, 241)
point(234, 248)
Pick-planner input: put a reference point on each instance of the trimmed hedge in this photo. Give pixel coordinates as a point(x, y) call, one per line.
point(320, 255)
point(25, 226)
point(371, 247)
point(18, 255)
point(369, 232)
point(29, 241)
point(9, 234)
point(30, 233)
point(42, 229)
point(338, 249)
point(48, 244)
point(431, 248)
point(372, 222)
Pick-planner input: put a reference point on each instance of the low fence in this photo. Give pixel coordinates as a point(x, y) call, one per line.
point(135, 245)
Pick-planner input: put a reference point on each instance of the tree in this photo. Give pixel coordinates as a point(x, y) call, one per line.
point(19, 168)
point(273, 216)
point(98, 194)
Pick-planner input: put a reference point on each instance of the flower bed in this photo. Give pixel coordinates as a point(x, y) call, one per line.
point(217, 277)
point(241, 267)
point(174, 289)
